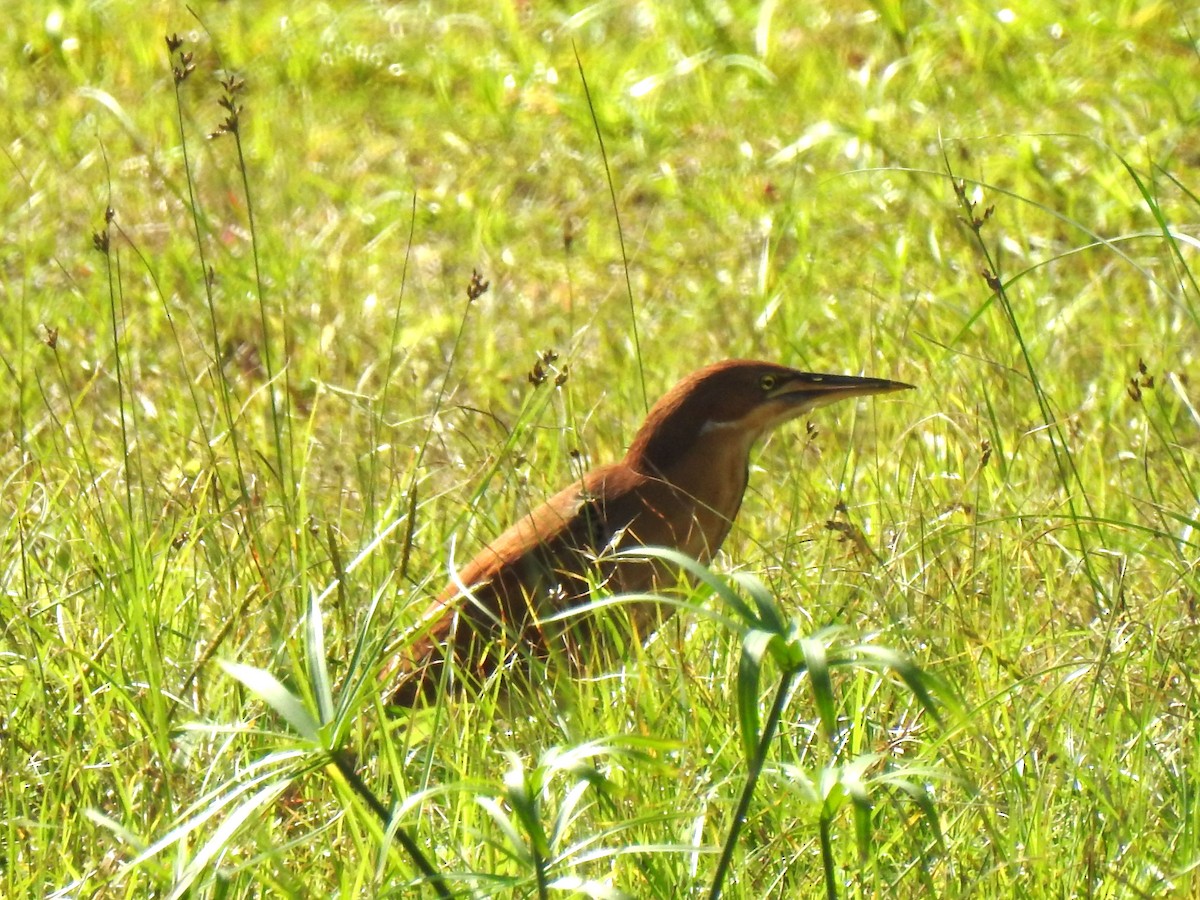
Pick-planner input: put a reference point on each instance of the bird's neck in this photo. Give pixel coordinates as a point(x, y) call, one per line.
point(708, 465)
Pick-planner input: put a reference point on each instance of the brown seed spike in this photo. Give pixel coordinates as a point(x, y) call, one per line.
point(477, 287)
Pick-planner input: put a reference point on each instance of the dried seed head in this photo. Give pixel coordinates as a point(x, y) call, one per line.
point(477, 287)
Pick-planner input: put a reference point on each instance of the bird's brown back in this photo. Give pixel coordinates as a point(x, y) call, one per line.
point(547, 563)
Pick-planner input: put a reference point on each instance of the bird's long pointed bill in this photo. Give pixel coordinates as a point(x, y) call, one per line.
point(810, 391)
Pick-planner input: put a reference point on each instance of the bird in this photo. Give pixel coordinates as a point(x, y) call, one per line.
point(679, 485)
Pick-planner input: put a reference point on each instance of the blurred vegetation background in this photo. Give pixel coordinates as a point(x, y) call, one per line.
point(241, 370)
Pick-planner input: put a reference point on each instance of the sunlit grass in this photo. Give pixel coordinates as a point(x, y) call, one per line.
point(224, 431)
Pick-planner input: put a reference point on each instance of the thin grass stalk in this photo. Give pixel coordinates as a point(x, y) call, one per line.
point(221, 384)
point(474, 291)
point(96, 509)
point(1183, 270)
point(280, 420)
point(612, 193)
point(232, 126)
point(1064, 459)
point(176, 338)
point(393, 343)
point(122, 413)
point(17, 375)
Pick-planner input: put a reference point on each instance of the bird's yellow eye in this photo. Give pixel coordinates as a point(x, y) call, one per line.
point(768, 382)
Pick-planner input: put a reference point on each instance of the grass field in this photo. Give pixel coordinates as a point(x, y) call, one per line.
point(252, 418)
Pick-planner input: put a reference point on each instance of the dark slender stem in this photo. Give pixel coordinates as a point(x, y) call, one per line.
point(612, 193)
point(827, 859)
point(344, 765)
point(540, 868)
point(756, 767)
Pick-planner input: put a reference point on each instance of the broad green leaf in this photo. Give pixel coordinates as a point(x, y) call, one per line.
point(314, 649)
point(519, 849)
point(224, 834)
point(701, 573)
point(755, 645)
point(817, 664)
point(287, 705)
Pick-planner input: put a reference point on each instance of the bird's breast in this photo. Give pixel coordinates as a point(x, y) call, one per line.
point(691, 508)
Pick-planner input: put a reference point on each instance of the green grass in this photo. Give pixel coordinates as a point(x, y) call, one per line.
point(268, 467)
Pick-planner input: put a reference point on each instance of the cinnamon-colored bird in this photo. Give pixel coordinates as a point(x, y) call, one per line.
point(679, 485)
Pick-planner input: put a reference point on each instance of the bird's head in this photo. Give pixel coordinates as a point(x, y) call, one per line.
point(739, 400)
